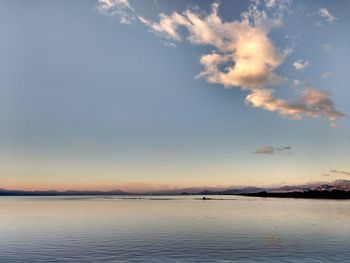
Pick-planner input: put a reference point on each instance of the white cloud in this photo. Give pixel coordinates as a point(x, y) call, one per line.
point(169, 44)
point(167, 26)
point(300, 64)
point(270, 3)
point(324, 12)
point(242, 47)
point(296, 82)
point(243, 55)
point(117, 8)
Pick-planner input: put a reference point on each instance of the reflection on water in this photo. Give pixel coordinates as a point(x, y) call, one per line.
point(173, 229)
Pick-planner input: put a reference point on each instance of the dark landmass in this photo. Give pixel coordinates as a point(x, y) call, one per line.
point(339, 189)
point(316, 194)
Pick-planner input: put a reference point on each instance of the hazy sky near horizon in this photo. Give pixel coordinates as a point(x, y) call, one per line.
point(117, 94)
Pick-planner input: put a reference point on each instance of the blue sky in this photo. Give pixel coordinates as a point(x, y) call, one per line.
point(101, 95)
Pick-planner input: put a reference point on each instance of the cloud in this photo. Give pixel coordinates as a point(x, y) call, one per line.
point(270, 3)
point(243, 55)
point(169, 44)
point(300, 64)
point(117, 8)
point(167, 27)
point(339, 172)
point(272, 150)
point(326, 46)
point(324, 12)
point(313, 103)
point(326, 75)
point(296, 82)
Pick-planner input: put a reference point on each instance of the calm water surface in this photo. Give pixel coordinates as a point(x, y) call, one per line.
point(173, 229)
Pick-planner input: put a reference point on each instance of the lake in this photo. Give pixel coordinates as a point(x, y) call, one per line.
point(173, 229)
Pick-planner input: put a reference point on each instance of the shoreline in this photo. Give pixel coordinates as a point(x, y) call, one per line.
point(334, 194)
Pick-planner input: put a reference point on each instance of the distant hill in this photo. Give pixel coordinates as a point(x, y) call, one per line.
point(339, 189)
point(343, 185)
point(4, 192)
point(339, 185)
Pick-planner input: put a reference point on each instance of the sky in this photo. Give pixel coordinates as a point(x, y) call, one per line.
point(149, 95)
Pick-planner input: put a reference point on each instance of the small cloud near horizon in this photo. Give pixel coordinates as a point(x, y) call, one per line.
point(339, 172)
point(272, 150)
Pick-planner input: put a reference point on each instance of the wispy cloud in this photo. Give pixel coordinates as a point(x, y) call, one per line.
point(169, 44)
point(118, 8)
point(326, 46)
point(243, 55)
point(296, 82)
point(270, 3)
point(300, 64)
point(326, 75)
point(272, 150)
point(313, 103)
point(339, 172)
point(324, 12)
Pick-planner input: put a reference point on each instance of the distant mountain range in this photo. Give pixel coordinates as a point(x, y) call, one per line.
point(340, 185)
point(343, 185)
point(4, 192)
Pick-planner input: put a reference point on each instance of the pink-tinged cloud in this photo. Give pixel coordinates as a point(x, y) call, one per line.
point(340, 172)
point(272, 150)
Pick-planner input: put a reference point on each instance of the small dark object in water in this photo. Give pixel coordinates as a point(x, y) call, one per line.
point(204, 198)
